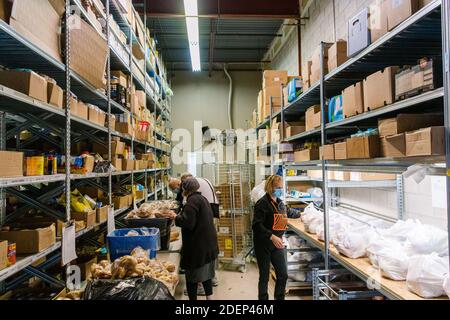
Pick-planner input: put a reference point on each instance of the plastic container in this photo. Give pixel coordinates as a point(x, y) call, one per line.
point(163, 224)
point(121, 245)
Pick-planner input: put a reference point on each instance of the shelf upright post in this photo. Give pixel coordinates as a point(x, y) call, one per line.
point(400, 197)
point(67, 109)
point(2, 147)
point(446, 65)
point(131, 91)
point(324, 169)
point(272, 164)
point(108, 88)
point(145, 90)
point(68, 117)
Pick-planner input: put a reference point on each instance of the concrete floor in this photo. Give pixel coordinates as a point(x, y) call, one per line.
point(235, 285)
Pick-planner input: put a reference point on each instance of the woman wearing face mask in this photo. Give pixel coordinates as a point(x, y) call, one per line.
point(269, 226)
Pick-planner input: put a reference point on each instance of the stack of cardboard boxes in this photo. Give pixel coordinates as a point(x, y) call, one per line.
point(273, 82)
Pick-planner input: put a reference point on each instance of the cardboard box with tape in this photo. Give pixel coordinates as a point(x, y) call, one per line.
point(379, 89)
point(408, 122)
point(363, 147)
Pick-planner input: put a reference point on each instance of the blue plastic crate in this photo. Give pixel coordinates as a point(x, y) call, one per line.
point(121, 245)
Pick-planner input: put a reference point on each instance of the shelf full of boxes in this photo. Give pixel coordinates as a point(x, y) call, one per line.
point(109, 113)
point(364, 111)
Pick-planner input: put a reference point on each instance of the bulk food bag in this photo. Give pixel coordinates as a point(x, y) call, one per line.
point(353, 243)
point(426, 275)
point(425, 239)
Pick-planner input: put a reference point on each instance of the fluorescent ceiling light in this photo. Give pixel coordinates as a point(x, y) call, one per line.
point(191, 12)
point(190, 8)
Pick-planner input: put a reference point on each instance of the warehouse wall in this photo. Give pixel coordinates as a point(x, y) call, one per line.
point(328, 22)
point(198, 97)
point(287, 57)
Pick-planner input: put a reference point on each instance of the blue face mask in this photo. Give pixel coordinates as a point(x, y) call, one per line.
point(278, 193)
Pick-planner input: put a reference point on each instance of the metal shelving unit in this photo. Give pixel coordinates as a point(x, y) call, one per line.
point(426, 33)
point(30, 114)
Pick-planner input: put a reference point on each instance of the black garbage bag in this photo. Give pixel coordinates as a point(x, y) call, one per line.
point(130, 289)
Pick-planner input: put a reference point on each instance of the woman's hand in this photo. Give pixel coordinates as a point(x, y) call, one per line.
point(172, 216)
point(277, 242)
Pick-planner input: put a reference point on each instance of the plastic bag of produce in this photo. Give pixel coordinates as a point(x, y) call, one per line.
point(294, 242)
point(425, 239)
point(353, 243)
point(258, 192)
point(426, 275)
point(314, 226)
point(130, 289)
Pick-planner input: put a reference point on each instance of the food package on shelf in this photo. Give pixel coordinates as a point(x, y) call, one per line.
point(353, 243)
point(154, 209)
point(447, 285)
point(426, 275)
point(400, 230)
point(78, 202)
point(137, 264)
point(425, 239)
point(390, 257)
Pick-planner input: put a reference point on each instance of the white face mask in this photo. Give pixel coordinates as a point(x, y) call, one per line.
point(184, 200)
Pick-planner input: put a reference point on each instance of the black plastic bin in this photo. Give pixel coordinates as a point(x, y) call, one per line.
point(163, 224)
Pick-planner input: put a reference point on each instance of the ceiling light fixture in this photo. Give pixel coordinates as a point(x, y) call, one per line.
point(191, 13)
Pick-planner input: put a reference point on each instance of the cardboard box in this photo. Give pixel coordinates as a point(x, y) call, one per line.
point(261, 115)
point(34, 166)
point(79, 109)
point(316, 63)
point(306, 155)
point(93, 192)
point(306, 74)
point(125, 128)
point(38, 22)
point(371, 176)
point(93, 113)
point(55, 94)
point(121, 78)
point(274, 78)
point(393, 146)
point(101, 214)
point(85, 263)
point(358, 33)
point(400, 10)
point(30, 237)
point(337, 54)
point(117, 148)
point(379, 89)
point(425, 142)
point(378, 19)
point(326, 152)
point(127, 165)
point(294, 128)
point(341, 175)
point(87, 217)
point(29, 83)
point(311, 117)
point(89, 52)
point(121, 202)
point(117, 163)
point(418, 79)
point(273, 92)
point(408, 122)
point(141, 194)
point(363, 147)
point(11, 164)
point(3, 254)
point(353, 99)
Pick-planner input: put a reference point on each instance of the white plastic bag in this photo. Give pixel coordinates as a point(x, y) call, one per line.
point(314, 226)
point(400, 230)
point(295, 242)
point(258, 192)
point(353, 243)
point(426, 275)
point(377, 246)
point(425, 239)
point(393, 263)
point(447, 285)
